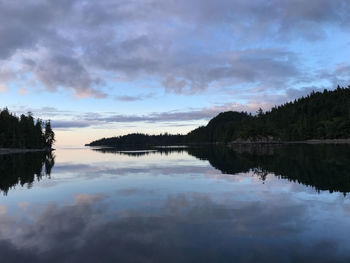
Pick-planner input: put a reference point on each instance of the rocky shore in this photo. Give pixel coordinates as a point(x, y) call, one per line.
point(271, 140)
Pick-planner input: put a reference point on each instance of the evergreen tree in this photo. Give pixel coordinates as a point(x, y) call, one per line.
point(49, 135)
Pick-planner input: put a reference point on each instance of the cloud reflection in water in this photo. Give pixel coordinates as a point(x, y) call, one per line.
point(183, 211)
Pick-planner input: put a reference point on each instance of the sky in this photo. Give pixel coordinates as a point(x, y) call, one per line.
point(107, 68)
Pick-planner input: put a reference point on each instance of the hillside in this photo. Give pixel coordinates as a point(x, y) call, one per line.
point(221, 128)
point(320, 115)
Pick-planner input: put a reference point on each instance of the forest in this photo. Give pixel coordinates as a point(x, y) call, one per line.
point(319, 115)
point(24, 132)
point(138, 139)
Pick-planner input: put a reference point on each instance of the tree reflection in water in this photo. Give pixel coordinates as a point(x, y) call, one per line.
point(24, 168)
point(152, 209)
point(324, 167)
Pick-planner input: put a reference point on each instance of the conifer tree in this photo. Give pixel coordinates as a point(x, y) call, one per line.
point(49, 135)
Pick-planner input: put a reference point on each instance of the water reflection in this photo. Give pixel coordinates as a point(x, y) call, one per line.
point(25, 168)
point(173, 206)
point(190, 227)
point(141, 151)
point(324, 167)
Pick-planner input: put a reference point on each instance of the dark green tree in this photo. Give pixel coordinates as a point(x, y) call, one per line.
point(49, 135)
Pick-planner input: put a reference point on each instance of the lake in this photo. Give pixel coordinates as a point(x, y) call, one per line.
point(208, 204)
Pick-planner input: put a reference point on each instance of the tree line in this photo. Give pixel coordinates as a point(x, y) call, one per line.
point(319, 115)
point(24, 131)
point(139, 139)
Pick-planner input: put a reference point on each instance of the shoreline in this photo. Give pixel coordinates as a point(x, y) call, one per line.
point(18, 150)
point(232, 143)
point(313, 141)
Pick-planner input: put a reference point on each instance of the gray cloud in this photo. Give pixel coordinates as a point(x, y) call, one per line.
point(63, 71)
point(86, 230)
point(340, 75)
point(165, 117)
point(65, 124)
point(68, 44)
point(44, 113)
point(180, 118)
point(128, 98)
point(98, 119)
point(6, 74)
point(96, 171)
point(258, 65)
point(171, 118)
point(302, 92)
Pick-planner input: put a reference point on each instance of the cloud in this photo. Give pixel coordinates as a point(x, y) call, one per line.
point(177, 231)
point(3, 209)
point(135, 191)
point(48, 113)
point(170, 118)
point(186, 46)
point(90, 171)
point(3, 88)
point(191, 114)
point(88, 119)
point(337, 75)
point(269, 66)
point(6, 73)
point(65, 124)
point(177, 118)
point(63, 71)
point(23, 205)
point(292, 93)
point(177, 85)
point(127, 98)
point(22, 91)
point(87, 199)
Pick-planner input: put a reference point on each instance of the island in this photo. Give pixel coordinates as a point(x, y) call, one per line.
point(320, 117)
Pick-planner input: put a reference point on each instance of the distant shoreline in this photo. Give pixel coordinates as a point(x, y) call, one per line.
point(314, 141)
point(232, 143)
point(18, 150)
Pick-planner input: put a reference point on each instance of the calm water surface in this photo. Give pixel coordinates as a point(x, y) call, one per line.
point(265, 204)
